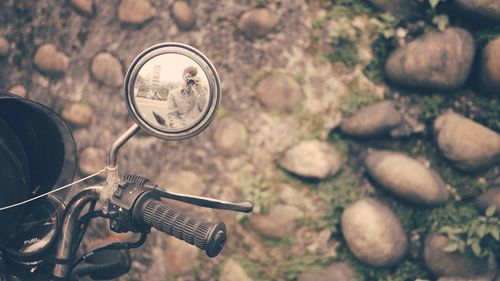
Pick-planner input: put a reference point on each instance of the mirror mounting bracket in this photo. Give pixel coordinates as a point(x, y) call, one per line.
point(113, 178)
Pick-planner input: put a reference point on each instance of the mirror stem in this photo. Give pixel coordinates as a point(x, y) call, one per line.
point(112, 178)
point(113, 154)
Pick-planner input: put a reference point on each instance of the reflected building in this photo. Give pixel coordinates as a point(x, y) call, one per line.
point(155, 77)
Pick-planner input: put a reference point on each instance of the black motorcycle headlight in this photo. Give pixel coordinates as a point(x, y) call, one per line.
point(37, 154)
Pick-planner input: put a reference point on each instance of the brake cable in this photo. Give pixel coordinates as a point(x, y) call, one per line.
point(113, 246)
point(84, 222)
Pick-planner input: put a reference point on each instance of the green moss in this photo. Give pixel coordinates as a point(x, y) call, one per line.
point(485, 109)
point(299, 77)
point(284, 242)
point(259, 75)
point(350, 7)
point(422, 220)
point(405, 271)
point(319, 223)
point(255, 270)
point(316, 126)
point(467, 186)
point(485, 34)
point(341, 144)
point(222, 112)
point(411, 217)
point(375, 70)
point(479, 237)
point(452, 214)
point(342, 189)
point(292, 268)
point(488, 111)
point(313, 122)
point(357, 99)
point(410, 270)
point(343, 36)
point(339, 192)
point(256, 190)
point(345, 51)
point(431, 105)
point(317, 28)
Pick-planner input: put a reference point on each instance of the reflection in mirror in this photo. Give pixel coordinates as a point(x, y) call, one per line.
point(171, 92)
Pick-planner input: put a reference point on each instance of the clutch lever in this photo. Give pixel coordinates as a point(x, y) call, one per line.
point(245, 206)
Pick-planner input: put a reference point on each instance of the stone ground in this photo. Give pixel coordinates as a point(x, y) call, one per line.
point(245, 163)
point(238, 60)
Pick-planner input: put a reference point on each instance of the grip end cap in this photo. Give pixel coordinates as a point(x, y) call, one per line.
point(216, 240)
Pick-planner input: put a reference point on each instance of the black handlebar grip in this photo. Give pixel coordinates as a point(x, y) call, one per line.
point(204, 235)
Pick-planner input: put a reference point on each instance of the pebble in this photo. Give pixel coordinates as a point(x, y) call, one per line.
point(410, 124)
point(339, 271)
point(489, 198)
point(490, 67)
point(183, 181)
point(442, 263)
point(4, 46)
point(301, 198)
point(84, 6)
point(406, 177)
point(402, 9)
point(135, 11)
point(50, 60)
point(470, 146)
point(92, 160)
point(373, 120)
point(233, 271)
point(279, 91)
point(278, 223)
point(183, 15)
point(78, 114)
point(373, 233)
point(312, 159)
point(257, 22)
point(230, 137)
point(445, 64)
point(107, 69)
point(182, 257)
point(18, 90)
point(483, 277)
point(480, 9)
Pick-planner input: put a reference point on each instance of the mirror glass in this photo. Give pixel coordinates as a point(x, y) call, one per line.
point(172, 91)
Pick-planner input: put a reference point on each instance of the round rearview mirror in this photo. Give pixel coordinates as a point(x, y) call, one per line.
point(172, 91)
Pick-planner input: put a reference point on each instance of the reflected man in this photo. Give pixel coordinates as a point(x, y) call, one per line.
point(186, 104)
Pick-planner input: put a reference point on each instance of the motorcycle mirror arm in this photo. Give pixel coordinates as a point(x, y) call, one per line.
point(113, 153)
point(113, 178)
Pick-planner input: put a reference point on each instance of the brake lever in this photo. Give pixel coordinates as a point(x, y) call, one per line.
point(245, 206)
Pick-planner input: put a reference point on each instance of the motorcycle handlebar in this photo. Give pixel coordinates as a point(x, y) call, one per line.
point(207, 236)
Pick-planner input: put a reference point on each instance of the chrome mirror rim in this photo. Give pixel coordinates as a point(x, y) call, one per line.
point(213, 81)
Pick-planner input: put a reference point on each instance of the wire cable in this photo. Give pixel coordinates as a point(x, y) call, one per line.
point(84, 222)
point(53, 191)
